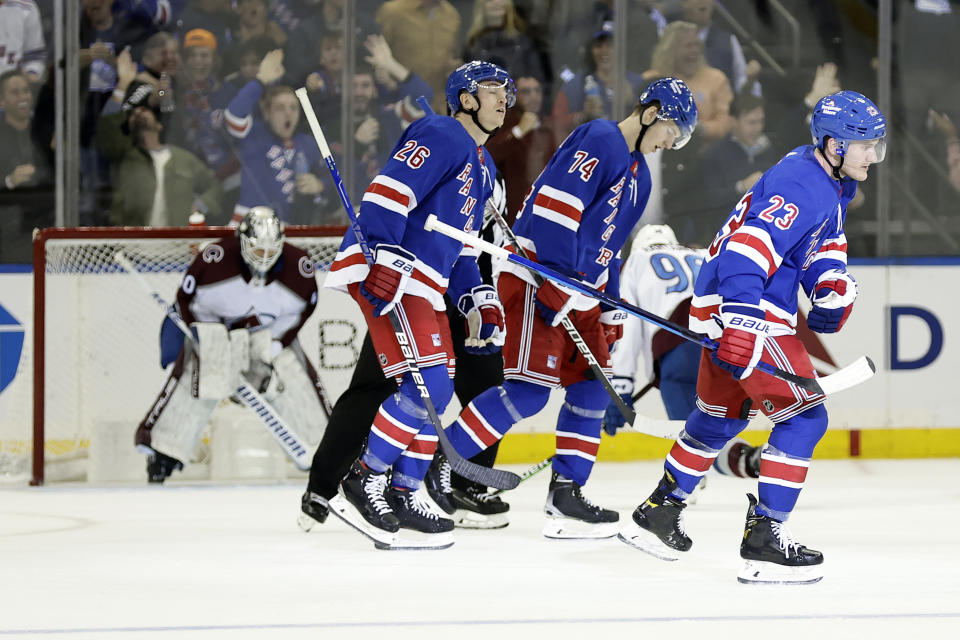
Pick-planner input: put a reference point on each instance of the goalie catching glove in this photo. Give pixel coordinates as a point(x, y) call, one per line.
point(388, 277)
point(833, 298)
point(745, 329)
point(484, 317)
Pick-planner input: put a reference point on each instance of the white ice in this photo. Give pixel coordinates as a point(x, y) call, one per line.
point(212, 562)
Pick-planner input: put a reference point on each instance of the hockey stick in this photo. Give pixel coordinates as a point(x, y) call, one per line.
point(627, 412)
point(853, 374)
point(460, 465)
point(526, 475)
point(289, 441)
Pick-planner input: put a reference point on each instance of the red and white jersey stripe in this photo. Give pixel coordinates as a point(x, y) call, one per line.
point(704, 308)
point(390, 194)
point(755, 243)
point(422, 448)
point(833, 249)
point(237, 127)
point(565, 209)
point(392, 430)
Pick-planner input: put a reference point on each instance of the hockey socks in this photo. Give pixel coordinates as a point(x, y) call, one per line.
point(781, 480)
point(578, 430)
point(687, 462)
point(491, 414)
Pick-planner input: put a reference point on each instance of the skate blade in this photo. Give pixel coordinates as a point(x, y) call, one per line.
point(755, 572)
point(569, 529)
point(647, 542)
point(409, 540)
point(306, 523)
point(341, 507)
point(465, 519)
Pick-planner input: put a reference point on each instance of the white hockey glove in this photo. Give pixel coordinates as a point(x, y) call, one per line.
point(833, 298)
point(612, 323)
point(484, 316)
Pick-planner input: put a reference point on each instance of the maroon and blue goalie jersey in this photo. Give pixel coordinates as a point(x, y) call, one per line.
point(783, 234)
point(583, 206)
point(436, 168)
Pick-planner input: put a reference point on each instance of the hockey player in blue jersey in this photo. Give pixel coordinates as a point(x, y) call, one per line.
point(785, 233)
point(439, 166)
point(575, 219)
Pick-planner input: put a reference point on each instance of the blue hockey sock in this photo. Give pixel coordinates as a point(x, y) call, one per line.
point(578, 430)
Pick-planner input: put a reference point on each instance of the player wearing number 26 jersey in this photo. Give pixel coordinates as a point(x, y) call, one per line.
point(784, 234)
point(438, 167)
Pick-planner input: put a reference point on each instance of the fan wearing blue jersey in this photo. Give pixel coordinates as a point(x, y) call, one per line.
point(440, 167)
point(785, 234)
point(575, 218)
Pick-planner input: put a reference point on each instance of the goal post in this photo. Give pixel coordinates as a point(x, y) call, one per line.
point(95, 348)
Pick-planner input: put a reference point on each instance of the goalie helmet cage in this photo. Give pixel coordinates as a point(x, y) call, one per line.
point(95, 330)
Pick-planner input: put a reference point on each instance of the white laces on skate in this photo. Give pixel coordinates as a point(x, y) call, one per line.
point(419, 506)
point(375, 485)
point(446, 486)
point(785, 538)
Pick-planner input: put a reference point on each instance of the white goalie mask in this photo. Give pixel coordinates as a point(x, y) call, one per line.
point(261, 240)
point(651, 235)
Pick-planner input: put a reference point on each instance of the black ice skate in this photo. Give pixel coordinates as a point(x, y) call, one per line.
point(658, 524)
point(772, 556)
point(160, 466)
point(361, 504)
point(437, 482)
point(476, 509)
point(314, 510)
point(571, 516)
point(421, 526)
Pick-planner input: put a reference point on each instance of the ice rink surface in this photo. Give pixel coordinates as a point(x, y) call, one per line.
point(212, 562)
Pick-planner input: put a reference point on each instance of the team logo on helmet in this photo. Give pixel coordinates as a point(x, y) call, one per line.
point(306, 266)
point(213, 253)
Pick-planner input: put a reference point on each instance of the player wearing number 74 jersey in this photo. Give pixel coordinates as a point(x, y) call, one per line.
point(574, 220)
point(784, 234)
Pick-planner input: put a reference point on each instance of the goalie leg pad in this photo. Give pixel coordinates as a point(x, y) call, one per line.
point(293, 394)
point(215, 373)
point(179, 422)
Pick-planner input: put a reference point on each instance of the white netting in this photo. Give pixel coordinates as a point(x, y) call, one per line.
point(102, 352)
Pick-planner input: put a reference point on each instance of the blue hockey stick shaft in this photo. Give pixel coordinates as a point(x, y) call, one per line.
point(433, 224)
point(497, 478)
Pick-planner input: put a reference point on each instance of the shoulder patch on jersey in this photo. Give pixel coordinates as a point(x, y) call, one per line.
point(306, 266)
point(213, 253)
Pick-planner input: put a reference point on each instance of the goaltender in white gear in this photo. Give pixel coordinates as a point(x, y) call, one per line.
point(244, 298)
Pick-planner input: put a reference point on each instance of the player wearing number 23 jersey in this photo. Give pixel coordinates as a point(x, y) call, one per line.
point(785, 234)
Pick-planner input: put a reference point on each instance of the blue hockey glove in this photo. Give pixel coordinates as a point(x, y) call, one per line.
point(613, 419)
point(484, 316)
point(833, 298)
point(741, 345)
point(384, 285)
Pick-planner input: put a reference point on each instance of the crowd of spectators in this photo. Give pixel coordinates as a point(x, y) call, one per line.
point(188, 105)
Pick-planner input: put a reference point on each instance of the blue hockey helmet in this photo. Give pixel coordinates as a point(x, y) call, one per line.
point(847, 116)
point(467, 77)
point(676, 104)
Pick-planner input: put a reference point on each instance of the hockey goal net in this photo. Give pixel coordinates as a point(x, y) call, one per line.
point(94, 352)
